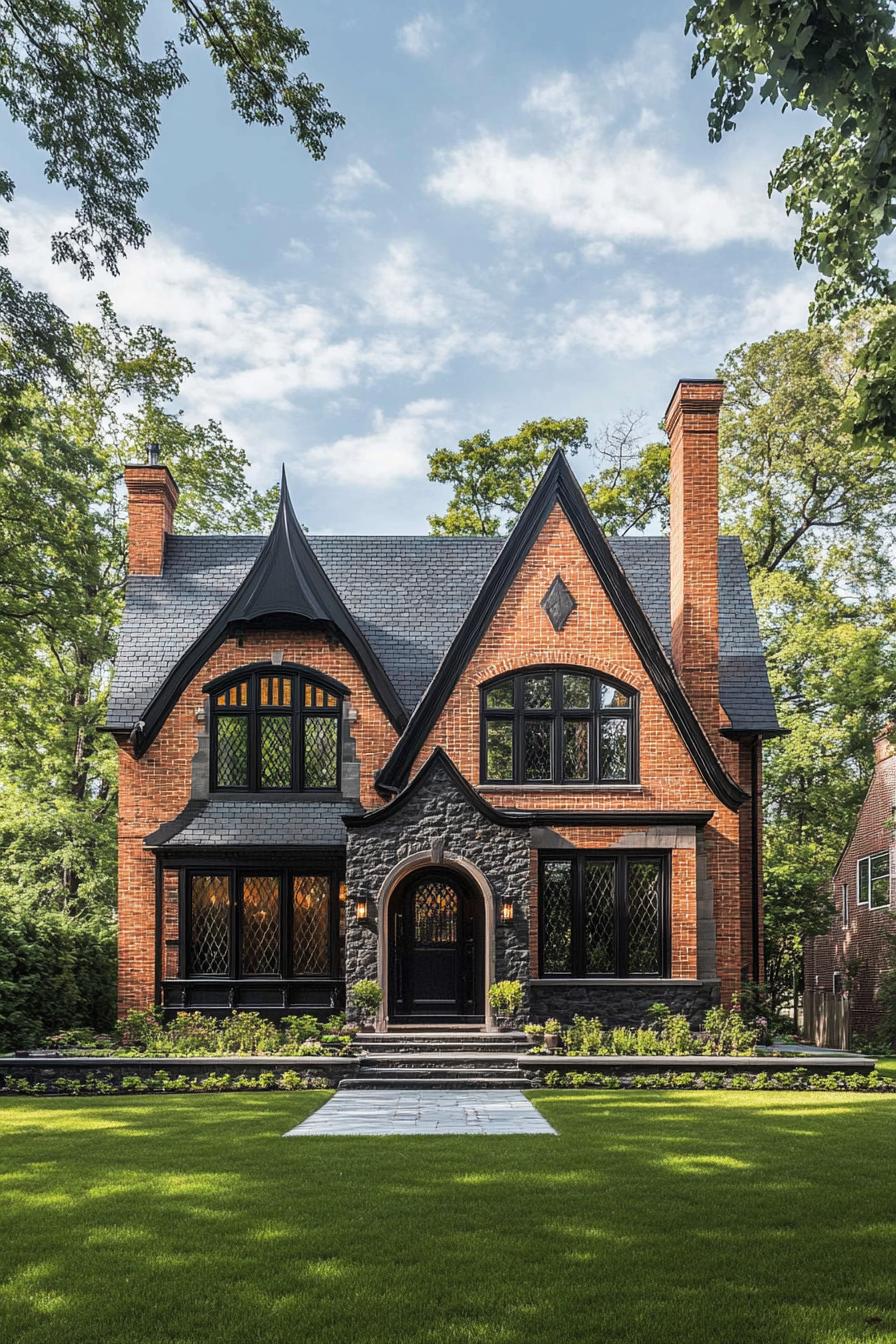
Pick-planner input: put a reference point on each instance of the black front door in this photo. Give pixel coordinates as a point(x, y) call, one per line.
point(435, 933)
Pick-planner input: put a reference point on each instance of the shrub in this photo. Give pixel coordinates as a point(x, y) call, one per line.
point(506, 998)
point(248, 1034)
point(56, 972)
point(726, 1033)
point(140, 1028)
point(365, 996)
point(190, 1034)
point(299, 1029)
point(585, 1036)
point(676, 1036)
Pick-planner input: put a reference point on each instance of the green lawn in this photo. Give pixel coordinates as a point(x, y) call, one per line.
point(653, 1217)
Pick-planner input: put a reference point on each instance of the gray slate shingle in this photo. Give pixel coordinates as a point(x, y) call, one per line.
point(409, 595)
point(248, 822)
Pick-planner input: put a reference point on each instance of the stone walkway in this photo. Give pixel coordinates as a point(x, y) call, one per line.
point(424, 1111)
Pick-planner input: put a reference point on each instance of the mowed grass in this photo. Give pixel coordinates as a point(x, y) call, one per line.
point(652, 1217)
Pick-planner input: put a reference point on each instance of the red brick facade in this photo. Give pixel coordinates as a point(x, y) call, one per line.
point(156, 786)
point(858, 949)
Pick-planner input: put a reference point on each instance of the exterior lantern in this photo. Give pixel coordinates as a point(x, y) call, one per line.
point(507, 910)
point(361, 908)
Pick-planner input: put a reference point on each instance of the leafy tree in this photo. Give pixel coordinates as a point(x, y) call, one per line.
point(62, 570)
point(836, 59)
point(493, 478)
point(73, 74)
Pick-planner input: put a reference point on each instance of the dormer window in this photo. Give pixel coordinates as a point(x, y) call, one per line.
point(275, 730)
point(558, 726)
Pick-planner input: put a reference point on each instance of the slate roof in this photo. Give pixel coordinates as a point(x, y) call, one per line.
point(263, 822)
point(409, 596)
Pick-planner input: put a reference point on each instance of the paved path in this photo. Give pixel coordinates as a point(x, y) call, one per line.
point(424, 1111)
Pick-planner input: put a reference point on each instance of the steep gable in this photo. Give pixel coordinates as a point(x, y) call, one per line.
point(560, 493)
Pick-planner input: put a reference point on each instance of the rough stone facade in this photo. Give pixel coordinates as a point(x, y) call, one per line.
point(440, 825)
point(622, 1004)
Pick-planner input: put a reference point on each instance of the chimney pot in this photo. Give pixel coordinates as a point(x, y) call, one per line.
point(152, 454)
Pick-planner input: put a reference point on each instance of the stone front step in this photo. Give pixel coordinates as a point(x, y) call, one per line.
point(488, 1045)
point(425, 1059)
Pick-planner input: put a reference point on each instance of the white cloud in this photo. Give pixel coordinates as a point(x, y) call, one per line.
point(420, 37)
point(778, 309)
point(394, 449)
point(634, 322)
point(355, 177)
point(578, 167)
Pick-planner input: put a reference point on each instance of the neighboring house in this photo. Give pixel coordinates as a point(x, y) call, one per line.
point(440, 762)
point(856, 950)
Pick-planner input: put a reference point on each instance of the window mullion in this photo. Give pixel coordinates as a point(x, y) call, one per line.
point(622, 916)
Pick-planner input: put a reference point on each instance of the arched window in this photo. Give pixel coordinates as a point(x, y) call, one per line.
point(275, 730)
point(558, 725)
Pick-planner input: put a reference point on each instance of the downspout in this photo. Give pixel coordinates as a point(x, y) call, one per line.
point(755, 846)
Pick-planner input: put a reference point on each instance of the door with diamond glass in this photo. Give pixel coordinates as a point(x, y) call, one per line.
point(437, 971)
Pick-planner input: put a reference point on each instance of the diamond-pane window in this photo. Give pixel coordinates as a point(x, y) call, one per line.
point(232, 750)
point(556, 917)
point(576, 691)
point(210, 924)
point(614, 749)
point(538, 692)
point(602, 914)
point(311, 924)
point(537, 748)
point(435, 913)
point(644, 892)
point(257, 723)
point(576, 756)
point(599, 899)
point(499, 749)
point(558, 726)
point(260, 951)
point(321, 740)
point(500, 696)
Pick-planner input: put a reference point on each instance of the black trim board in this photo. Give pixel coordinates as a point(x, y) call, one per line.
point(439, 760)
point(558, 485)
point(570, 817)
point(286, 582)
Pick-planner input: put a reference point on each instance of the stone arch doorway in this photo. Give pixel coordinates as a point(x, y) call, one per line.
point(436, 949)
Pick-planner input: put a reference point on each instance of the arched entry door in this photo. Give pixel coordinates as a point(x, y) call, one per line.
point(437, 970)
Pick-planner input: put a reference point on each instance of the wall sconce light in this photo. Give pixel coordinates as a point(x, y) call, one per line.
point(507, 910)
point(342, 893)
point(361, 907)
point(200, 713)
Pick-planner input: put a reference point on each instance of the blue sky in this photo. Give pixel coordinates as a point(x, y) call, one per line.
point(522, 217)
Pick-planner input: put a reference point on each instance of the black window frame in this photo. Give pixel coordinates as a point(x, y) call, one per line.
point(622, 858)
point(253, 711)
point(236, 874)
point(594, 716)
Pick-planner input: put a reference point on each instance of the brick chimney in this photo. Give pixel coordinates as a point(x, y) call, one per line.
point(152, 499)
point(692, 423)
point(883, 747)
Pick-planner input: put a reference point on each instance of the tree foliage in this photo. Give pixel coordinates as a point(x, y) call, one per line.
point(836, 59)
point(74, 75)
point(62, 572)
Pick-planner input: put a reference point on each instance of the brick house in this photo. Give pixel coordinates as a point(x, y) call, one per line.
point(856, 950)
point(439, 762)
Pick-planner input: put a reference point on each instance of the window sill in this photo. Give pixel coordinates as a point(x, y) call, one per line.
point(614, 982)
point(559, 788)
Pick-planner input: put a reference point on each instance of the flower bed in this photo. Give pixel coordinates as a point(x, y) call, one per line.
point(793, 1080)
point(192, 1035)
point(107, 1076)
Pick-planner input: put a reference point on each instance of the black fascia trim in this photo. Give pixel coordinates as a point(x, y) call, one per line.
point(286, 579)
point(558, 485)
point(439, 760)
point(747, 734)
point(277, 669)
point(571, 817)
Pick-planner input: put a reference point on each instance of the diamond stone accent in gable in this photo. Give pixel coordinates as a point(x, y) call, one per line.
point(558, 603)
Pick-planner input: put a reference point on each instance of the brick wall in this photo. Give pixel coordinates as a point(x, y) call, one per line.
point(865, 937)
point(155, 788)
